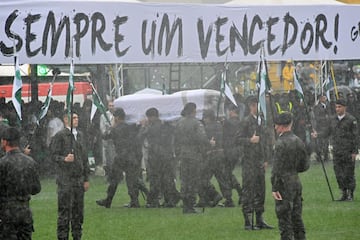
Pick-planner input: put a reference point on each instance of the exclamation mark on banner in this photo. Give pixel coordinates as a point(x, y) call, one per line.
point(336, 32)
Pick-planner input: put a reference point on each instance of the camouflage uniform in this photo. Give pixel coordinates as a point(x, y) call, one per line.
point(124, 161)
point(253, 174)
point(161, 163)
point(214, 166)
point(232, 151)
point(18, 180)
point(290, 157)
point(322, 114)
point(344, 138)
point(190, 139)
point(70, 178)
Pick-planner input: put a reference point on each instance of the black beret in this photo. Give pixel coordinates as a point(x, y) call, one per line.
point(188, 109)
point(284, 118)
point(152, 112)
point(341, 102)
point(11, 134)
point(251, 99)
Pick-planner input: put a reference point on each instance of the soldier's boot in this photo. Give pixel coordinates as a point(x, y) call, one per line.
point(109, 196)
point(104, 203)
point(188, 208)
point(249, 225)
point(134, 202)
point(260, 223)
point(344, 195)
point(216, 200)
point(229, 203)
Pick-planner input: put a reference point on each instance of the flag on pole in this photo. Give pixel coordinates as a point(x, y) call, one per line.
point(45, 107)
point(262, 87)
point(297, 86)
point(16, 91)
point(69, 95)
point(97, 105)
point(225, 89)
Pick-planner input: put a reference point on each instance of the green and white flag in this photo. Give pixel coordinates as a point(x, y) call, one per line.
point(297, 86)
point(97, 105)
point(45, 107)
point(16, 91)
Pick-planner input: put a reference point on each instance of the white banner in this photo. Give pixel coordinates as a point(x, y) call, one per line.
point(119, 32)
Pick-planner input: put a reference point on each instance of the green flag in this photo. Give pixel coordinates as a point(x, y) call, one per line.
point(45, 107)
point(297, 86)
point(97, 105)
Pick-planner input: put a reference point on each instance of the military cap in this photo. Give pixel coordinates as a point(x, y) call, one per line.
point(284, 118)
point(11, 134)
point(341, 102)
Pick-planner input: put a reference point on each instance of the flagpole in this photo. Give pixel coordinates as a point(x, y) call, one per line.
point(17, 86)
point(309, 124)
point(71, 89)
point(333, 78)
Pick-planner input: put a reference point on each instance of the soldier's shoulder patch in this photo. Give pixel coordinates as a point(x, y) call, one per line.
point(354, 122)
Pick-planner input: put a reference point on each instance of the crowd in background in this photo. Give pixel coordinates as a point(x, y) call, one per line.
point(38, 136)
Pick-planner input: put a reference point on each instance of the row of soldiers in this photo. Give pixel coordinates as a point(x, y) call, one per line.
point(205, 149)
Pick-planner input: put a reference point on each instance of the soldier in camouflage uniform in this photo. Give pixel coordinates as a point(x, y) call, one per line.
point(231, 150)
point(344, 139)
point(161, 160)
point(190, 140)
point(124, 161)
point(290, 158)
point(254, 163)
point(19, 180)
point(72, 177)
point(214, 164)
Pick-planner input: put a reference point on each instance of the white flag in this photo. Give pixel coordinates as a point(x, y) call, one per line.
point(44, 109)
point(229, 94)
point(262, 91)
point(16, 91)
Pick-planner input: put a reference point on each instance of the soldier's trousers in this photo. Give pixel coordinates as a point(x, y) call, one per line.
point(16, 222)
point(161, 179)
point(70, 211)
point(289, 210)
point(214, 166)
point(344, 168)
point(253, 191)
point(190, 179)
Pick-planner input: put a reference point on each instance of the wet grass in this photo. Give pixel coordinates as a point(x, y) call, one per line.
point(324, 219)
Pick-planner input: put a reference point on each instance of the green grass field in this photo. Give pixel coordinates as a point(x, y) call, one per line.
point(324, 219)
